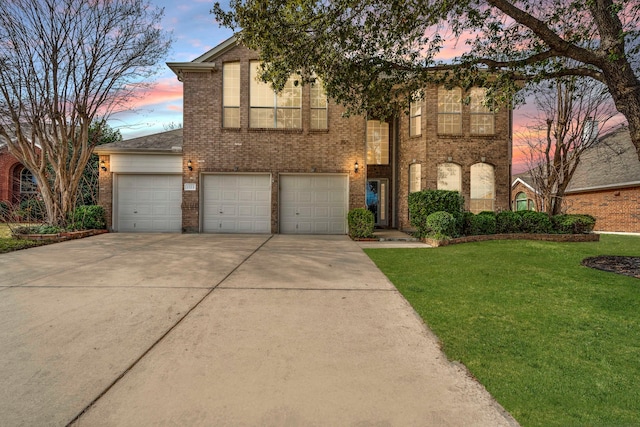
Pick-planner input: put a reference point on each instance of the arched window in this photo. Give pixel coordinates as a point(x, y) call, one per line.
point(482, 188)
point(521, 201)
point(28, 184)
point(450, 177)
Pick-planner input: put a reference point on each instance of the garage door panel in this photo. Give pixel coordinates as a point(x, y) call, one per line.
point(237, 203)
point(149, 203)
point(313, 204)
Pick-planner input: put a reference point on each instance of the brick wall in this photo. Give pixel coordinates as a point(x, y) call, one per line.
point(531, 195)
point(214, 149)
point(431, 149)
point(614, 210)
point(7, 166)
point(105, 193)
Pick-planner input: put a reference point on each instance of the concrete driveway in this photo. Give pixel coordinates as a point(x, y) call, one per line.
point(160, 329)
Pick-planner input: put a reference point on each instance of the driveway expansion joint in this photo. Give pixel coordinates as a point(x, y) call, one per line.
point(162, 337)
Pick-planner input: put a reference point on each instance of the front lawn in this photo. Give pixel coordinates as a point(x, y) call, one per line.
point(554, 342)
point(9, 244)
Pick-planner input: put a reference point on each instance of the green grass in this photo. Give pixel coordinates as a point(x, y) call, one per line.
point(9, 244)
point(556, 343)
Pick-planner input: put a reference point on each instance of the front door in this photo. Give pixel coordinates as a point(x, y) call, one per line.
point(377, 200)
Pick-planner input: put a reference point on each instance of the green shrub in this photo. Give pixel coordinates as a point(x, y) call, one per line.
point(464, 226)
point(38, 229)
point(424, 203)
point(442, 225)
point(361, 222)
point(88, 217)
point(483, 223)
point(573, 223)
point(4, 211)
point(535, 222)
point(32, 210)
point(508, 222)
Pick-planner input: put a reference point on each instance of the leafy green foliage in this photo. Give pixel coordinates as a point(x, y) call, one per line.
point(442, 225)
point(554, 342)
point(424, 203)
point(89, 217)
point(573, 223)
point(482, 223)
point(508, 222)
point(361, 223)
point(535, 222)
point(32, 210)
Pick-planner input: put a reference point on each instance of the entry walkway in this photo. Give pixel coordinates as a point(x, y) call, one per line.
point(204, 330)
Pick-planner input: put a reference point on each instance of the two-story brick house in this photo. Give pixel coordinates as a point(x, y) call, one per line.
point(250, 160)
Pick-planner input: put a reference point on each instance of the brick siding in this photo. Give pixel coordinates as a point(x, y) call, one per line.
point(614, 210)
point(7, 165)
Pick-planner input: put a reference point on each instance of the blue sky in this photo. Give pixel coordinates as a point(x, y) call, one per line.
point(194, 32)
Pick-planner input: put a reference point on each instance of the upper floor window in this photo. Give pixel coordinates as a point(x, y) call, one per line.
point(415, 117)
point(450, 177)
point(319, 106)
point(274, 110)
point(377, 142)
point(482, 118)
point(482, 188)
point(231, 95)
point(450, 111)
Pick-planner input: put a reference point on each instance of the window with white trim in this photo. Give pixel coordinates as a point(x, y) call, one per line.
point(415, 117)
point(449, 177)
point(231, 95)
point(319, 106)
point(377, 142)
point(482, 118)
point(482, 188)
point(415, 177)
point(271, 110)
point(449, 111)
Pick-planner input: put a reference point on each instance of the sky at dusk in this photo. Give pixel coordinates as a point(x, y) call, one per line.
point(195, 32)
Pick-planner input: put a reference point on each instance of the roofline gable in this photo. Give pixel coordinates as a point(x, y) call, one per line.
point(521, 181)
point(204, 63)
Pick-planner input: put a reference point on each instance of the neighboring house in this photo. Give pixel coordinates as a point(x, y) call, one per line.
point(253, 161)
point(524, 194)
point(17, 183)
point(606, 184)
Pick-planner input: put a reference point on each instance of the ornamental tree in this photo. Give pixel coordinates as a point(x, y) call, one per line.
point(65, 64)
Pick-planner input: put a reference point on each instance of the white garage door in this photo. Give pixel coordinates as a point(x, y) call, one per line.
point(236, 203)
point(313, 204)
point(149, 203)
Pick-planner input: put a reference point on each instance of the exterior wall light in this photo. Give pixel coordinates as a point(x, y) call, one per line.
point(356, 167)
point(103, 166)
point(190, 165)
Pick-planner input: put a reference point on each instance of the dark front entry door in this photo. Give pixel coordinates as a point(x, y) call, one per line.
point(377, 200)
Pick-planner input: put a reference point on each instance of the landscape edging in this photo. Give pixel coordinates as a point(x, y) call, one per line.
point(591, 237)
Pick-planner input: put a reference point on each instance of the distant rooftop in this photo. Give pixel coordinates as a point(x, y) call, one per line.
point(164, 142)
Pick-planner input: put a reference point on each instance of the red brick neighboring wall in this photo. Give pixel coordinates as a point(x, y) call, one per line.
point(531, 195)
point(614, 210)
point(7, 166)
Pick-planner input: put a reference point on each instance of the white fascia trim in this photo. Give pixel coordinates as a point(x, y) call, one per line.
point(518, 180)
point(604, 187)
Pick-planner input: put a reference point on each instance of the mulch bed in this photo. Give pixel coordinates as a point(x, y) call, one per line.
point(627, 265)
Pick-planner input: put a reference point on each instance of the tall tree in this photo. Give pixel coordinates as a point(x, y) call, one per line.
point(572, 113)
point(63, 65)
point(370, 53)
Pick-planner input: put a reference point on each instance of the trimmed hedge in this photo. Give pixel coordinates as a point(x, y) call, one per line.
point(442, 225)
point(573, 223)
point(535, 222)
point(424, 203)
point(508, 222)
point(88, 218)
point(361, 223)
point(483, 223)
